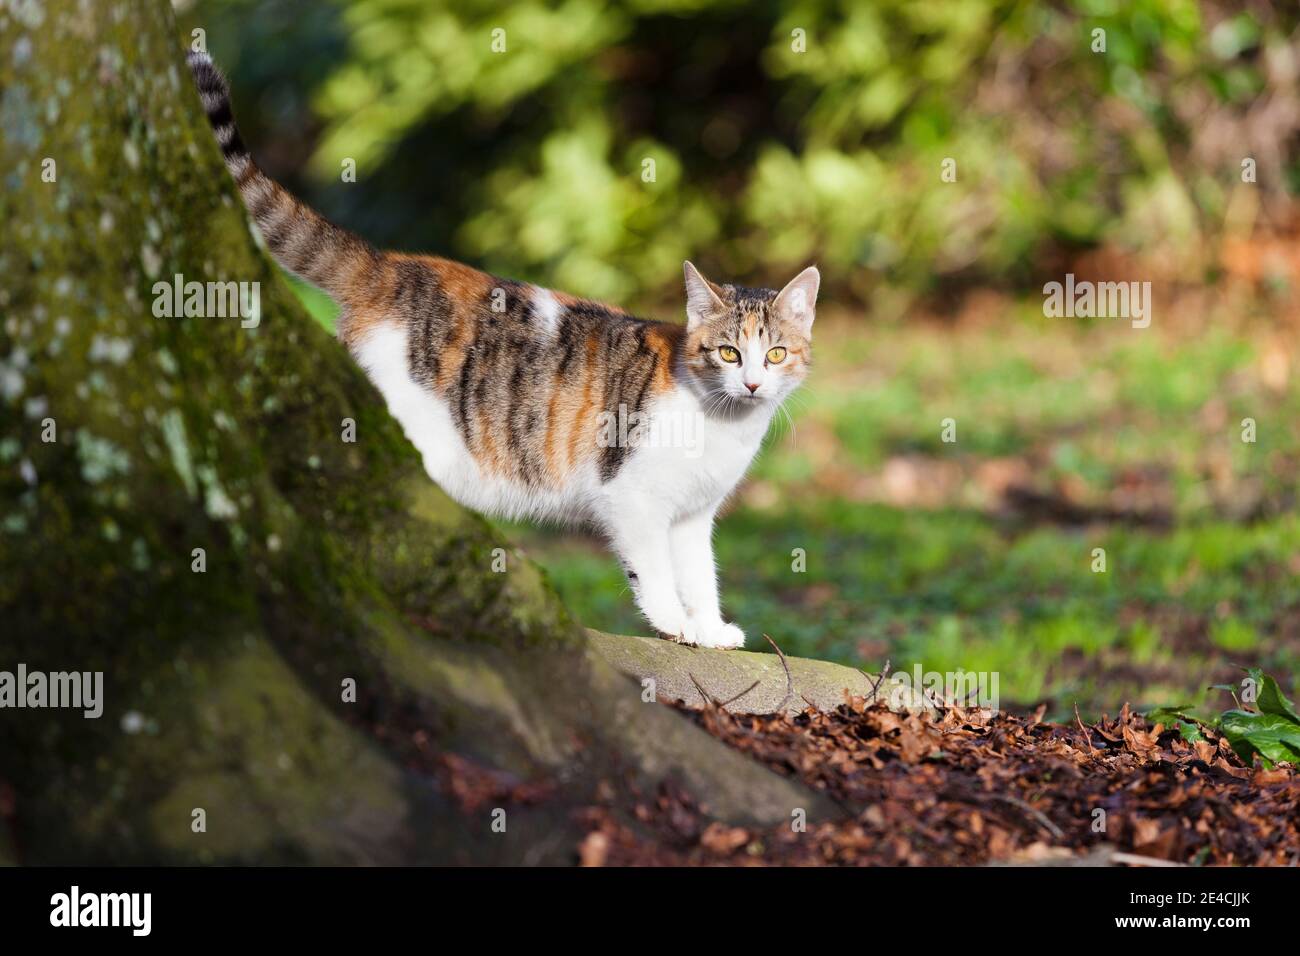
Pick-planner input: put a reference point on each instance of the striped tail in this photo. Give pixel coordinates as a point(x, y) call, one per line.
point(302, 241)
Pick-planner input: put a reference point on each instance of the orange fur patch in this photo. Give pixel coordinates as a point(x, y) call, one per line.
point(489, 455)
point(661, 339)
point(355, 323)
point(357, 288)
point(461, 283)
point(550, 445)
point(588, 408)
point(365, 303)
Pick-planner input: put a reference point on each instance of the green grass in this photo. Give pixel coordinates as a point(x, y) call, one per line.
point(914, 554)
point(952, 590)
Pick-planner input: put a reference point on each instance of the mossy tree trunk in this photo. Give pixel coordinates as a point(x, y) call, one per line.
point(179, 510)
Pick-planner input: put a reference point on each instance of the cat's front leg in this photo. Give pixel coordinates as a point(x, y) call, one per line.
point(641, 542)
point(697, 581)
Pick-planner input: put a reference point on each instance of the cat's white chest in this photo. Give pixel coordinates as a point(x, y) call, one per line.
point(688, 460)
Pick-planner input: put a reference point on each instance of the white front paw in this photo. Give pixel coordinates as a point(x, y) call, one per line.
point(684, 631)
point(721, 635)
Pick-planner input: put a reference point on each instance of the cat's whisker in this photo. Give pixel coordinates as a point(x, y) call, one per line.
point(789, 419)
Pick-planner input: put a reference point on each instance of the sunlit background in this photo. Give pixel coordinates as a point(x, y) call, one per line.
point(783, 134)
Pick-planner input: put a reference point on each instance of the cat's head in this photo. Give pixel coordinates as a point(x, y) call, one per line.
point(752, 346)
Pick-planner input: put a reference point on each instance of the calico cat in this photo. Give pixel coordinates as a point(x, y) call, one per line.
point(519, 398)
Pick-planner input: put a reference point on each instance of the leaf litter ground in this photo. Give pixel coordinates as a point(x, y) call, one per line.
point(965, 787)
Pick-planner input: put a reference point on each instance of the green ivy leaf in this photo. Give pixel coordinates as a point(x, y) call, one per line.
point(1271, 700)
point(1275, 738)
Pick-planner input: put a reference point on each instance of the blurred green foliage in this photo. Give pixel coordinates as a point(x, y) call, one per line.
point(780, 132)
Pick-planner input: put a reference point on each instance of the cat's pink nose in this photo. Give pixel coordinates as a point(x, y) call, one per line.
point(752, 388)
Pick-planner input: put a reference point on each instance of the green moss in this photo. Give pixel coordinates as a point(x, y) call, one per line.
point(273, 767)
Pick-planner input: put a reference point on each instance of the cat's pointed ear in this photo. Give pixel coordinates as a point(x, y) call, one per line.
point(702, 299)
point(797, 302)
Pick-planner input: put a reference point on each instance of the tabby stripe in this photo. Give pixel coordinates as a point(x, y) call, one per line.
point(465, 370)
point(303, 242)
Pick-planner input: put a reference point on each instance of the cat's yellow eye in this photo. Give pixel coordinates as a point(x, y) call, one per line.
point(728, 354)
point(776, 356)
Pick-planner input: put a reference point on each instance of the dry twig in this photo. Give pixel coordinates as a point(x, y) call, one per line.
point(789, 678)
